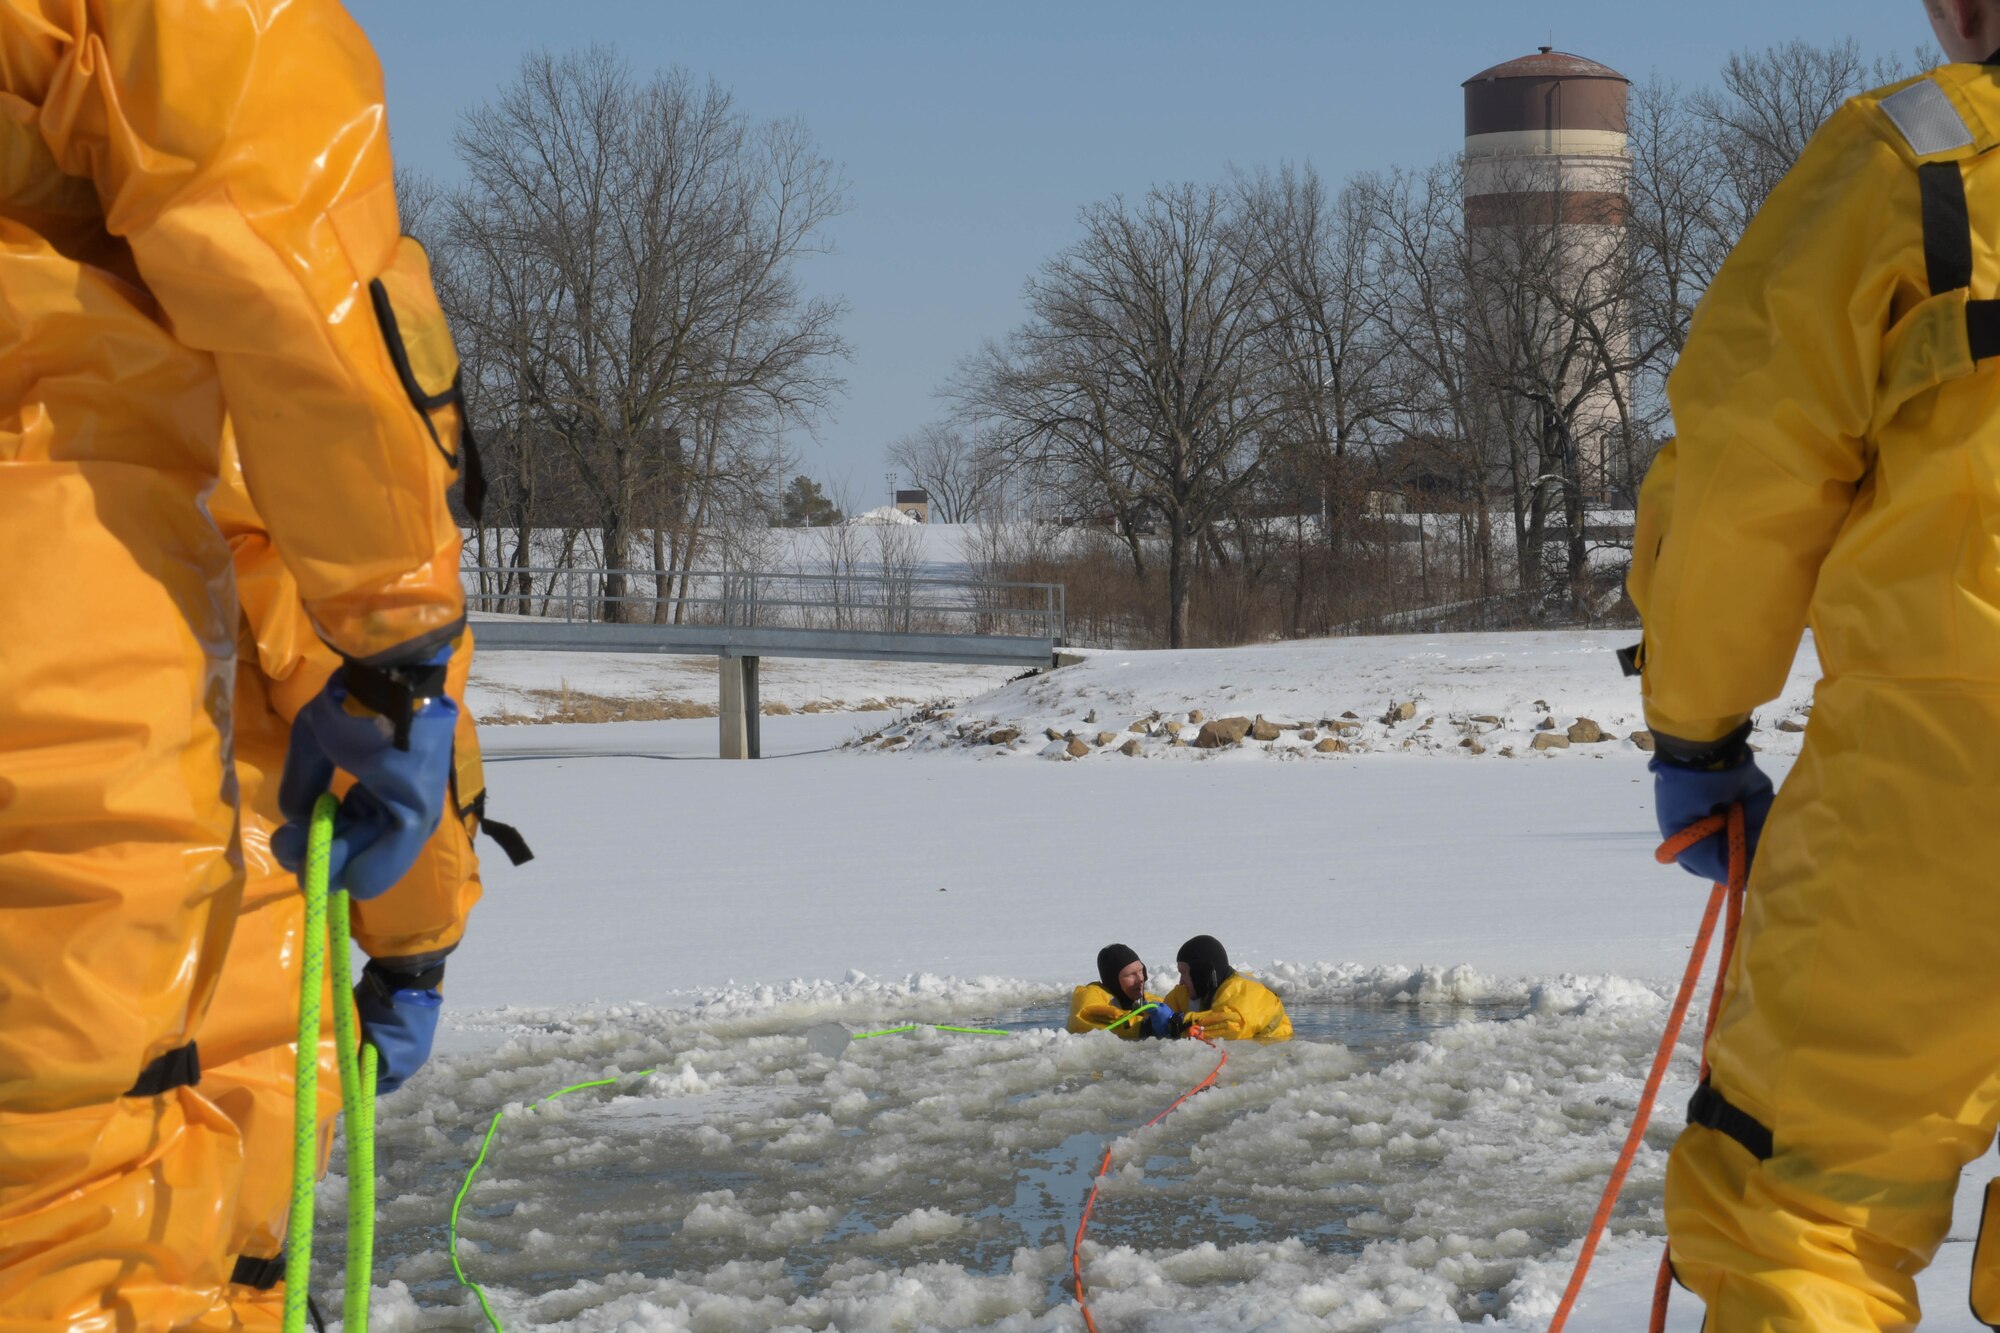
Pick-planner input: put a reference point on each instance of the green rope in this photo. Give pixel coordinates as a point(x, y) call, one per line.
point(327, 937)
point(357, 1094)
point(493, 1129)
point(1132, 1014)
point(305, 1070)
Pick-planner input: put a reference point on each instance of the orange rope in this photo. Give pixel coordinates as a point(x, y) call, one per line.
point(1090, 1202)
point(1732, 893)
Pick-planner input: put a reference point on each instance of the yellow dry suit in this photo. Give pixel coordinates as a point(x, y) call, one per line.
point(196, 210)
point(1244, 1009)
point(1091, 1007)
point(1838, 463)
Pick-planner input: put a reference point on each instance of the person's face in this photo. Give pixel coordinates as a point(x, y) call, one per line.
point(1964, 28)
point(1187, 977)
point(1132, 980)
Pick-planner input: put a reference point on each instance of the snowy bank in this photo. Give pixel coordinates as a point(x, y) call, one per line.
point(1503, 695)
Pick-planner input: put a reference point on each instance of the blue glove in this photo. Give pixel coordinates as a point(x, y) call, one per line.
point(399, 1017)
point(1687, 788)
point(397, 744)
point(1159, 1021)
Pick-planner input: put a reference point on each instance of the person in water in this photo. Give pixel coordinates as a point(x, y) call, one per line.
point(1220, 1002)
point(1119, 989)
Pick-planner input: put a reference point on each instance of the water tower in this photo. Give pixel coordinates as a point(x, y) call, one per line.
point(1547, 173)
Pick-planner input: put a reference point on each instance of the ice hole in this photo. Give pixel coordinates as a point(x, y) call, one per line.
point(1455, 1141)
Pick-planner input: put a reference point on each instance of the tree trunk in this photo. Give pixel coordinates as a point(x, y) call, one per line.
point(1177, 582)
point(615, 610)
point(662, 578)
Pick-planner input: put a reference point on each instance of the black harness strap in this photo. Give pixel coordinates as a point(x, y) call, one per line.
point(1712, 1110)
point(509, 837)
point(1947, 227)
point(1948, 252)
point(178, 1068)
point(258, 1274)
point(1982, 328)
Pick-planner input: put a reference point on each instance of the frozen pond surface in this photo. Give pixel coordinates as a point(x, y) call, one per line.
point(1394, 1159)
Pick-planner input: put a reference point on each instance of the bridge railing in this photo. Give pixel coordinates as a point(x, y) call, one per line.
point(876, 600)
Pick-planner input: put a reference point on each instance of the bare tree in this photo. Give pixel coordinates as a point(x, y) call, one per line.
point(627, 249)
point(1326, 345)
point(1142, 347)
point(958, 467)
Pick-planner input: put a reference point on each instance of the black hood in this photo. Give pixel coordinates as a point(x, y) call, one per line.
point(1208, 965)
point(1111, 960)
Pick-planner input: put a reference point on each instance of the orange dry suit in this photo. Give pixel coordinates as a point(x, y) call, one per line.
point(1243, 1009)
point(195, 209)
point(248, 1038)
point(1092, 1006)
point(1838, 463)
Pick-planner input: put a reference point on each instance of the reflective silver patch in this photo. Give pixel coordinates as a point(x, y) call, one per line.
point(1927, 119)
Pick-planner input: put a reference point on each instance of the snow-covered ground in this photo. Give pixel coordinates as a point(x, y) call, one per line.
point(525, 687)
point(1477, 953)
point(1472, 694)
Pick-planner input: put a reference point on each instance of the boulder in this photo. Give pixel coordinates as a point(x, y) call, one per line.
point(1308, 734)
point(1331, 746)
point(1196, 715)
point(1090, 718)
point(1402, 712)
point(1260, 730)
point(1106, 737)
point(1144, 726)
point(1078, 749)
point(1791, 724)
point(1171, 727)
point(1485, 719)
point(1052, 734)
point(1352, 716)
point(1549, 740)
point(1583, 731)
point(1003, 736)
point(1546, 724)
point(1131, 749)
point(1643, 739)
point(1222, 731)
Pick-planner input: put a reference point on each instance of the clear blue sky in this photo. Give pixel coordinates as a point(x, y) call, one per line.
point(971, 133)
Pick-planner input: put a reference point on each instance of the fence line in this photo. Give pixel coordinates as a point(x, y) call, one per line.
point(859, 598)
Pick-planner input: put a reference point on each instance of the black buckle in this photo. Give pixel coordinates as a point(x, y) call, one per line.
point(178, 1068)
point(258, 1274)
point(394, 691)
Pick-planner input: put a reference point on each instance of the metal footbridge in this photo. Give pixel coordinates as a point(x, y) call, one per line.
point(740, 617)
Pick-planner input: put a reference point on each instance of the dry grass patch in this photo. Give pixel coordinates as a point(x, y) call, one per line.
point(568, 705)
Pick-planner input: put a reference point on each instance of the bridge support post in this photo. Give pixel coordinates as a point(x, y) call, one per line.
point(735, 732)
point(741, 712)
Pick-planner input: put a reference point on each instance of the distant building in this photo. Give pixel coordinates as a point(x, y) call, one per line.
point(917, 504)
